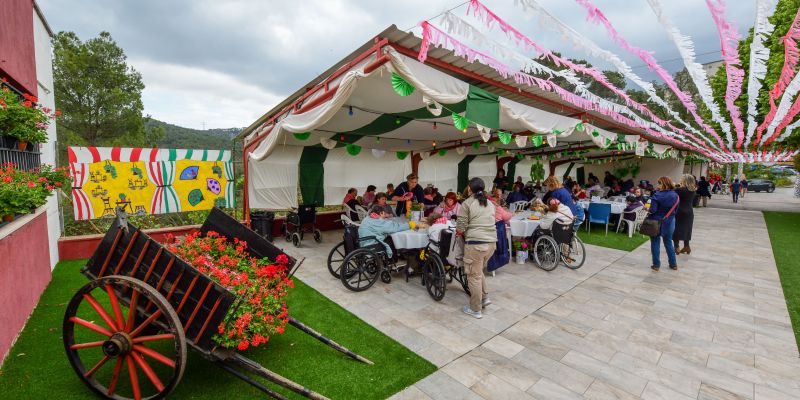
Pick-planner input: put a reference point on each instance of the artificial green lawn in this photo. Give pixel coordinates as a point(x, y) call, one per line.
point(619, 241)
point(37, 367)
point(783, 230)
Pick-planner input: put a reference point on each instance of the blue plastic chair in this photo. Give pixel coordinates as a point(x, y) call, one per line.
point(598, 214)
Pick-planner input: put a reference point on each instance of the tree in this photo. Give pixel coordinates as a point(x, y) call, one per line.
point(99, 95)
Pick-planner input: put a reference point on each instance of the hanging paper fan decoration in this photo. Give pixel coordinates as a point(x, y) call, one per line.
point(425, 155)
point(521, 140)
point(557, 131)
point(329, 144)
point(377, 153)
point(460, 122)
point(353, 149)
point(501, 152)
point(505, 137)
point(401, 155)
point(490, 148)
point(595, 133)
point(442, 152)
point(302, 135)
point(400, 85)
point(520, 156)
point(476, 145)
point(460, 150)
point(607, 142)
point(580, 127)
point(551, 140)
point(537, 140)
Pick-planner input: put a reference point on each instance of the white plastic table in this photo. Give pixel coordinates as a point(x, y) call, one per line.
point(522, 225)
point(616, 208)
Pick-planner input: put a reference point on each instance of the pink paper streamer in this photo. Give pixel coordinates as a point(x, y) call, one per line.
point(485, 15)
point(432, 35)
point(729, 40)
point(595, 15)
point(790, 58)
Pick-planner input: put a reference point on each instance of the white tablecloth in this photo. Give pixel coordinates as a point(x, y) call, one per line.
point(522, 225)
point(616, 208)
point(410, 239)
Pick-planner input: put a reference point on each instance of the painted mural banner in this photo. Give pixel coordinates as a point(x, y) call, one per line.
point(145, 181)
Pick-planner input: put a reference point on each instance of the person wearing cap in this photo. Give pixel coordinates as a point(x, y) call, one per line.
point(408, 190)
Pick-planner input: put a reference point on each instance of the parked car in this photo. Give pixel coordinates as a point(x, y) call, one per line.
point(783, 169)
point(757, 185)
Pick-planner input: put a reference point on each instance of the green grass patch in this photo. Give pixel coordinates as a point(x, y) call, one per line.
point(614, 240)
point(37, 364)
point(783, 228)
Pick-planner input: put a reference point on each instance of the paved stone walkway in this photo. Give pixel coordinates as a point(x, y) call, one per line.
point(716, 329)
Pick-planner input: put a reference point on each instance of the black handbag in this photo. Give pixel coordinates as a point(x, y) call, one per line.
point(652, 227)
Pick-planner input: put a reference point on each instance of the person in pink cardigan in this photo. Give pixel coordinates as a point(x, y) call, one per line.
point(500, 212)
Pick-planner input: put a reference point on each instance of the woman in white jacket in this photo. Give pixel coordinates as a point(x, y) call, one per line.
point(555, 212)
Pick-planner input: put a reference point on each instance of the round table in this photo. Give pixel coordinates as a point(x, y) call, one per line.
point(522, 225)
point(616, 208)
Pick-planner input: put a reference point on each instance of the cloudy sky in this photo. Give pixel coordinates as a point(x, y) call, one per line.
point(224, 63)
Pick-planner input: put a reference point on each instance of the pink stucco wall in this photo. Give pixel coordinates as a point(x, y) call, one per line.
point(24, 274)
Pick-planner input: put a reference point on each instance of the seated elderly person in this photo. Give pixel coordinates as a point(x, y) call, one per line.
point(351, 201)
point(449, 207)
point(436, 224)
point(516, 195)
point(379, 226)
point(555, 212)
point(381, 199)
point(633, 204)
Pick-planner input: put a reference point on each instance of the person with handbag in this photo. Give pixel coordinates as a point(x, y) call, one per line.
point(660, 224)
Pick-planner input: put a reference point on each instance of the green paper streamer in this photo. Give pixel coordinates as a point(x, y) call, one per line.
point(401, 155)
point(580, 127)
point(400, 85)
point(505, 137)
point(595, 133)
point(442, 152)
point(302, 135)
point(537, 140)
point(557, 132)
point(476, 145)
point(353, 149)
point(501, 152)
point(460, 122)
point(520, 156)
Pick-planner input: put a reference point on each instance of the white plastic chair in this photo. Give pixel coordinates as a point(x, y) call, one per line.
point(347, 221)
point(641, 215)
point(518, 206)
point(605, 191)
point(362, 212)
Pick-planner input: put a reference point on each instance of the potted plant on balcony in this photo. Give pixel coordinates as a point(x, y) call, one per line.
point(22, 192)
point(24, 120)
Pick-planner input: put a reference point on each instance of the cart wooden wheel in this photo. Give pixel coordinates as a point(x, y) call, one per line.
point(115, 355)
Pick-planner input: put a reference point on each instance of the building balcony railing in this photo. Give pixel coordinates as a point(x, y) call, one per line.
point(23, 159)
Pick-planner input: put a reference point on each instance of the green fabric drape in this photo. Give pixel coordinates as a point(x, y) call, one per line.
point(463, 172)
point(483, 107)
point(311, 175)
point(511, 170)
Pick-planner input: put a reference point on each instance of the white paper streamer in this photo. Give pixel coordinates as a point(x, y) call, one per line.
point(641, 147)
point(425, 154)
point(552, 140)
point(460, 150)
point(521, 140)
point(786, 103)
point(759, 54)
point(486, 133)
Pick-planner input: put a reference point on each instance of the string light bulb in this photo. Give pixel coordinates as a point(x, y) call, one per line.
point(397, 121)
point(434, 143)
point(465, 130)
point(377, 140)
point(350, 111)
point(341, 138)
point(434, 125)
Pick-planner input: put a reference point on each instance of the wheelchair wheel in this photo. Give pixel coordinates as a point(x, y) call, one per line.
point(335, 259)
point(386, 277)
point(296, 238)
point(576, 255)
point(435, 276)
point(545, 252)
point(360, 270)
point(317, 236)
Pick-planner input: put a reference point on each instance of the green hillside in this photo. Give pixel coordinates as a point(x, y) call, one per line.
point(187, 138)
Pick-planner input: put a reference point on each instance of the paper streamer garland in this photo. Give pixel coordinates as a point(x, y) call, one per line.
point(521, 140)
point(460, 122)
point(400, 85)
point(302, 136)
point(505, 137)
point(401, 155)
point(353, 149)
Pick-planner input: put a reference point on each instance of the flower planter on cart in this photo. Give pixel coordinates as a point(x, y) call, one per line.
point(147, 307)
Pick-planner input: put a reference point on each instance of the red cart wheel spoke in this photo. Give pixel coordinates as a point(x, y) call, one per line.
point(101, 311)
point(132, 310)
point(86, 324)
point(112, 297)
point(146, 322)
point(148, 371)
point(115, 377)
point(154, 355)
point(96, 367)
point(86, 345)
point(137, 392)
point(153, 338)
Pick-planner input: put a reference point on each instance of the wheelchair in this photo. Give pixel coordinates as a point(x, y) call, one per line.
point(437, 271)
point(363, 263)
point(300, 221)
point(561, 245)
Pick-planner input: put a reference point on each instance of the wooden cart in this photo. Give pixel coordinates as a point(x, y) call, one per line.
point(127, 331)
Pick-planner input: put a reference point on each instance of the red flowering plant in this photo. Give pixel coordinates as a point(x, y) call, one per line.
point(261, 285)
point(24, 119)
point(22, 191)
